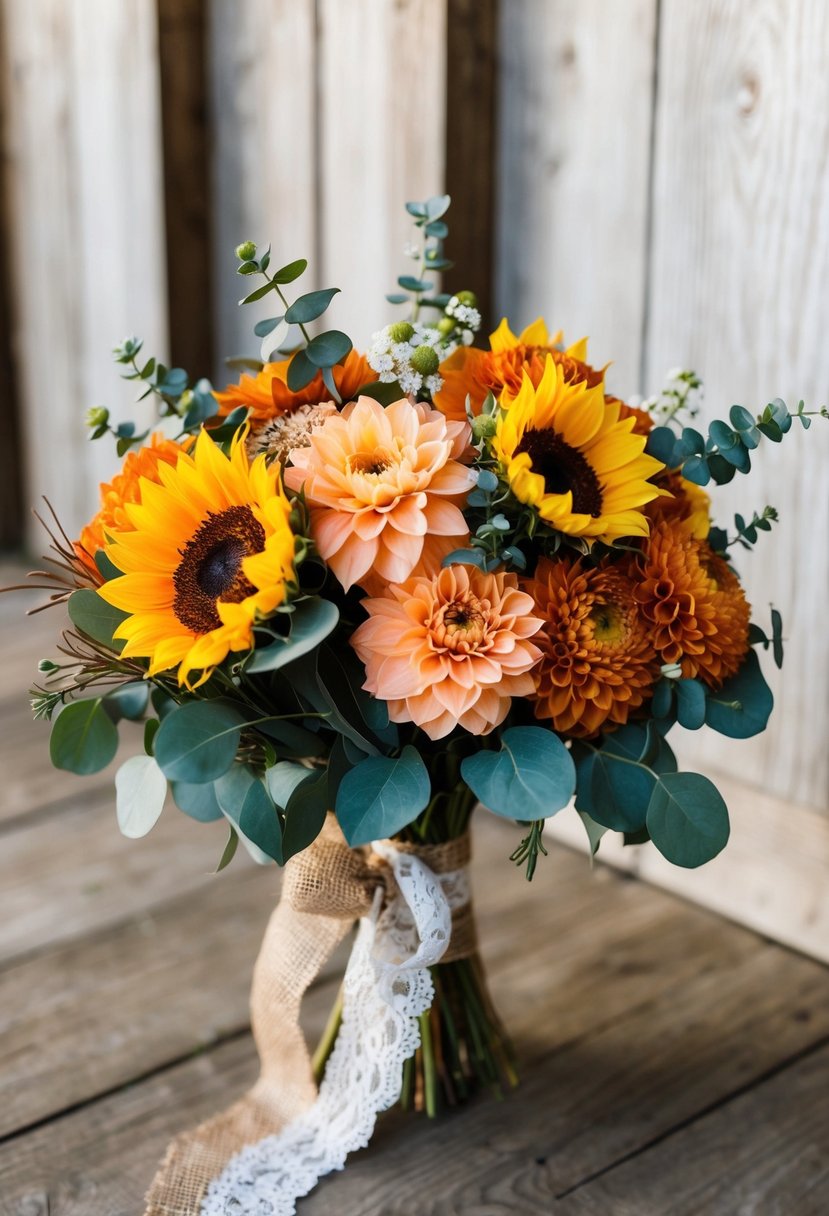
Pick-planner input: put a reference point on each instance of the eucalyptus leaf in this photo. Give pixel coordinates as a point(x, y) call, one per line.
point(197, 741)
point(84, 739)
point(329, 348)
point(381, 796)
point(531, 777)
point(301, 371)
point(311, 622)
point(310, 306)
point(687, 819)
point(287, 274)
point(742, 707)
point(140, 790)
point(128, 701)
point(246, 803)
point(197, 801)
point(95, 617)
point(690, 704)
point(229, 851)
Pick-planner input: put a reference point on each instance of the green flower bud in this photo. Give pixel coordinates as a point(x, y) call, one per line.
point(468, 298)
point(246, 251)
point(47, 666)
point(401, 331)
point(445, 326)
point(484, 426)
point(97, 416)
point(425, 360)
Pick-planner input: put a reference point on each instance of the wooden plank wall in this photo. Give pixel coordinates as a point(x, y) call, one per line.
point(662, 185)
point(83, 163)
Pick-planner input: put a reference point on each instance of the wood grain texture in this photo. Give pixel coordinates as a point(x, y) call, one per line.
point(72, 872)
point(765, 1153)
point(738, 290)
point(471, 148)
point(381, 143)
point(182, 65)
point(88, 260)
point(631, 1013)
point(574, 135)
point(772, 875)
point(262, 69)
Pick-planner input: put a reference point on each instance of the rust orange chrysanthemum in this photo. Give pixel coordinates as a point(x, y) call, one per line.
point(598, 663)
point(696, 609)
point(267, 394)
point(382, 482)
point(451, 650)
point(474, 373)
point(124, 488)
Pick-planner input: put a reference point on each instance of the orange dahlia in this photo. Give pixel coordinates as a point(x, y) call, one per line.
point(694, 604)
point(382, 482)
point(451, 650)
point(124, 488)
point(475, 373)
point(597, 659)
point(685, 503)
point(267, 394)
point(643, 421)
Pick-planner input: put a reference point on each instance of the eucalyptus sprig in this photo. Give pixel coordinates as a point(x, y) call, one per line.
point(320, 353)
point(529, 849)
point(727, 447)
point(432, 231)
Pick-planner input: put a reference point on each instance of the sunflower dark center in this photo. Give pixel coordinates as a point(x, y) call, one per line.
point(563, 469)
point(211, 567)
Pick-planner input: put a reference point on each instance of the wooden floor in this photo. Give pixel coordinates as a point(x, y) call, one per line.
point(672, 1063)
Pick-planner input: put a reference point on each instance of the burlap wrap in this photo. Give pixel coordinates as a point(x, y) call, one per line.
point(325, 889)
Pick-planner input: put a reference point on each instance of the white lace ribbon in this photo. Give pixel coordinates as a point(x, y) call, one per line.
point(387, 986)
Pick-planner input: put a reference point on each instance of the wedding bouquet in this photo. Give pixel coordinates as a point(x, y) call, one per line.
point(351, 597)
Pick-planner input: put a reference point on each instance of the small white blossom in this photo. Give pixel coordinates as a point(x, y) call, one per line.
point(682, 393)
point(434, 383)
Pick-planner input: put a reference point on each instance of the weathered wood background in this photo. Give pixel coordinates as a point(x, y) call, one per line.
point(651, 172)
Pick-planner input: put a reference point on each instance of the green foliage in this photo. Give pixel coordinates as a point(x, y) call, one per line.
point(531, 846)
point(197, 801)
point(328, 348)
point(229, 850)
point(84, 739)
point(305, 812)
point(310, 306)
point(312, 620)
point(531, 777)
point(380, 796)
point(140, 790)
point(687, 819)
point(690, 704)
point(741, 708)
point(128, 701)
point(197, 741)
point(96, 618)
point(431, 231)
point(728, 445)
point(246, 803)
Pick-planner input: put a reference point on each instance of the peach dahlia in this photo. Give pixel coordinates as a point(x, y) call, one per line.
point(382, 483)
point(451, 650)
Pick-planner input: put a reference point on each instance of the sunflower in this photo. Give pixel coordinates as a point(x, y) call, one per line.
point(685, 502)
point(124, 488)
point(566, 453)
point(597, 660)
point(692, 599)
point(267, 394)
point(474, 373)
point(210, 552)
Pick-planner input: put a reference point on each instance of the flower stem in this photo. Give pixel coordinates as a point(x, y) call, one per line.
point(329, 1038)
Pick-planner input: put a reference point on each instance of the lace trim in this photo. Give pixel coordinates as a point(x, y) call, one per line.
point(387, 986)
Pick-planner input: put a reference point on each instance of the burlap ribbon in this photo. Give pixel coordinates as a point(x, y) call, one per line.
point(326, 888)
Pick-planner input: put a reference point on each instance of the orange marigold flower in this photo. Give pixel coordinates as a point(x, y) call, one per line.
point(381, 483)
point(598, 663)
point(695, 606)
point(124, 488)
point(451, 650)
point(686, 503)
point(267, 394)
point(473, 372)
